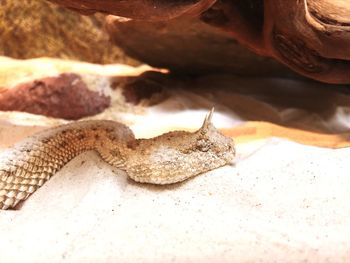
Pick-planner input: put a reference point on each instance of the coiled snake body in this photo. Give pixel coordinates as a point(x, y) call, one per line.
point(168, 158)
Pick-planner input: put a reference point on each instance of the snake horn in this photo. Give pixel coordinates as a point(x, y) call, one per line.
point(207, 120)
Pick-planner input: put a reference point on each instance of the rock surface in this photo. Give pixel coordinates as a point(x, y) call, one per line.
point(36, 28)
point(54, 97)
point(69, 89)
point(146, 86)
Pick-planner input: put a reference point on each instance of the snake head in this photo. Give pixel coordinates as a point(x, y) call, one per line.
point(176, 156)
point(210, 140)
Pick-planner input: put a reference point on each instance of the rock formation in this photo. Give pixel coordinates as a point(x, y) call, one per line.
point(53, 97)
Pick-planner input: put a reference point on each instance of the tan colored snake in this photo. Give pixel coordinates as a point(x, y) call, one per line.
point(166, 159)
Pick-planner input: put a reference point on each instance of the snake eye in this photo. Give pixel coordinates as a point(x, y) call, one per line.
point(203, 145)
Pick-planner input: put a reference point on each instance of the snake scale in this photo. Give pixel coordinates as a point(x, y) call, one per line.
point(166, 159)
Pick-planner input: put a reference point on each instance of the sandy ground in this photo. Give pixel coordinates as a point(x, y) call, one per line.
point(281, 202)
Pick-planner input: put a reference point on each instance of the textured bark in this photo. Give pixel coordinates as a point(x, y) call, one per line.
point(317, 48)
point(189, 46)
point(312, 37)
point(140, 9)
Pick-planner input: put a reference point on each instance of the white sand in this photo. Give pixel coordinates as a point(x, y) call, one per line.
point(281, 202)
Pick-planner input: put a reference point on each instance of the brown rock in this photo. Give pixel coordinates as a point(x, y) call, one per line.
point(143, 87)
point(53, 97)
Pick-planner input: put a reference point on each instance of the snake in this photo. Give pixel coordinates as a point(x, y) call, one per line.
point(166, 159)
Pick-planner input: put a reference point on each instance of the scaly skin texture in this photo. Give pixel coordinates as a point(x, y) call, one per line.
point(166, 159)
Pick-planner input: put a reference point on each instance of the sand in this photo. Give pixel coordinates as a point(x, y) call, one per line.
point(281, 202)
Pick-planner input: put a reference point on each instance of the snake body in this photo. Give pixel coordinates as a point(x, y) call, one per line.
point(168, 158)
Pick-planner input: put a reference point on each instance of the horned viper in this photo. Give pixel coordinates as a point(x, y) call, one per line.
point(166, 159)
